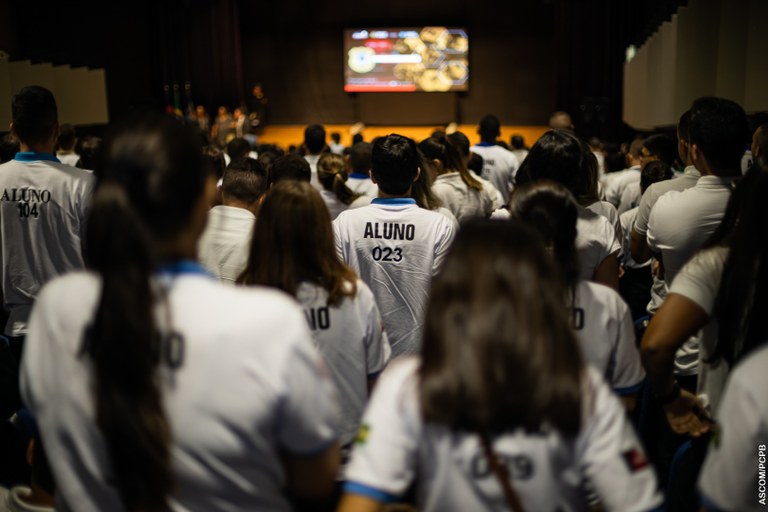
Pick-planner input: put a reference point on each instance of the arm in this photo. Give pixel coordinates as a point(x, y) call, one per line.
point(607, 272)
point(312, 477)
point(677, 320)
point(638, 246)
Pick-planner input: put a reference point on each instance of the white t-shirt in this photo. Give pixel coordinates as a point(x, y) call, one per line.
point(314, 180)
point(630, 198)
point(463, 202)
point(249, 387)
point(451, 470)
point(362, 184)
point(627, 220)
point(395, 247)
point(335, 207)
point(595, 241)
point(603, 325)
point(352, 341)
point(608, 211)
point(491, 190)
point(617, 182)
point(699, 281)
point(225, 244)
point(43, 211)
point(520, 154)
point(733, 476)
point(499, 167)
point(69, 158)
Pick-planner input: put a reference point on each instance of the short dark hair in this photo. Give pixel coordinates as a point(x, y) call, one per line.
point(358, 137)
point(517, 142)
point(394, 163)
point(9, 146)
point(360, 157)
point(214, 160)
point(244, 180)
point(476, 163)
point(336, 137)
point(653, 172)
point(314, 138)
point(67, 136)
point(719, 128)
point(662, 147)
point(238, 148)
point(461, 142)
point(761, 141)
point(289, 167)
point(34, 114)
point(489, 127)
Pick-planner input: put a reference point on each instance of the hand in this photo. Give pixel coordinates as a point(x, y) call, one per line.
point(657, 268)
point(682, 415)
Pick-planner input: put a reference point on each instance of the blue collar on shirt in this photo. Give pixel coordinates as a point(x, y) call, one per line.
point(393, 200)
point(359, 176)
point(182, 267)
point(31, 156)
point(486, 144)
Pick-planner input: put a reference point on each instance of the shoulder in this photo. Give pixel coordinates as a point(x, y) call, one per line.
point(707, 262)
point(604, 296)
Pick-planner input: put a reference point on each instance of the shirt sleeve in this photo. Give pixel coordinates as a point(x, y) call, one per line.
point(699, 279)
point(628, 372)
point(383, 462)
point(309, 413)
point(337, 234)
point(610, 454)
point(729, 477)
point(644, 211)
point(443, 243)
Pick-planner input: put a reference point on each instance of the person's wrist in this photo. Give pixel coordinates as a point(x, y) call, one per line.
point(670, 396)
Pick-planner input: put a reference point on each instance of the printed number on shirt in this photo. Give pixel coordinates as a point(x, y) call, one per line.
point(387, 254)
point(520, 467)
point(577, 318)
point(318, 318)
point(27, 210)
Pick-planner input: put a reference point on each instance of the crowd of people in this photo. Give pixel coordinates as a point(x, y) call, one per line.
point(211, 324)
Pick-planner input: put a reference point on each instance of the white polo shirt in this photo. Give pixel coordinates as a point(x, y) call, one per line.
point(451, 472)
point(603, 325)
point(499, 167)
point(249, 387)
point(595, 240)
point(224, 247)
point(699, 281)
point(352, 341)
point(43, 210)
point(314, 180)
point(627, 220)
point(617, 182)
point(608, 211)
point(733, 476)
point(630, 198)
point(69, 158)
point(362, 184)
point(396, 247)
point(463, 202)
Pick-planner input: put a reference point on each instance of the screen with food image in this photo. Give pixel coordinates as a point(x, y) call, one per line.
point(431, 59)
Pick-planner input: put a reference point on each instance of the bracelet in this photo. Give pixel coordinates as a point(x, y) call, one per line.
point(670, 397)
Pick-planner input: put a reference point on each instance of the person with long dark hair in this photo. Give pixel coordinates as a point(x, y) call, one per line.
point(561, 157)
point(499, 411)
point(155, 387)
point(293, 250)
point(599, 317)
point(456, 188)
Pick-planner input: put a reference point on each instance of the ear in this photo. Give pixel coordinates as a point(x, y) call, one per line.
point(370, 175)
point(695, 152)
point(30, 452)
point(12, 129)
point(418, 173)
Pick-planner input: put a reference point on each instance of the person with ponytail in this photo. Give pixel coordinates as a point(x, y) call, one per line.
point(499, 411)
point(332, 175)
point(147, 376)
point(599, 317)
point(456, 188)
point(293, 250)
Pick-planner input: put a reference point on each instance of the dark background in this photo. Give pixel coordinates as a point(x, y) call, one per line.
point(526, 58)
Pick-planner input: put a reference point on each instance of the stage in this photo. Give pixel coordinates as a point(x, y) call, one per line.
point(286, 135)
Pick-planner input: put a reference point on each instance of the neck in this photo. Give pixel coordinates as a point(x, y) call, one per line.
point(36, 147)
point(234, 203)
point(384, 195)
point(38, 497)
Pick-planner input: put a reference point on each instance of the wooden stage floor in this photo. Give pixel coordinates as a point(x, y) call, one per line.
point(285, 135)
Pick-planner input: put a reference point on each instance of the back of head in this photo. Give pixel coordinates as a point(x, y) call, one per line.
point(360, 157)
point(245, 181)
point(476, 163)
point(214, 160)
point(238, 148)
point(517, 142)
point(332, 174)
point(654, 172)
point(90, 154)
point(558, 156)
point(34, 114)
point(684, 126)
point(495, 322)
point(439, 147)
point(290, 167)
point(293, 242)
point(662, 147)
point(394, 163)
point(336, 137)
point(489, 128)
point(461, 142)
point(314, 138)
point(551, 210)
point(151, 194)
point(561, 120)
point(718, 129)
point(67, 137)
point(9, 146)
